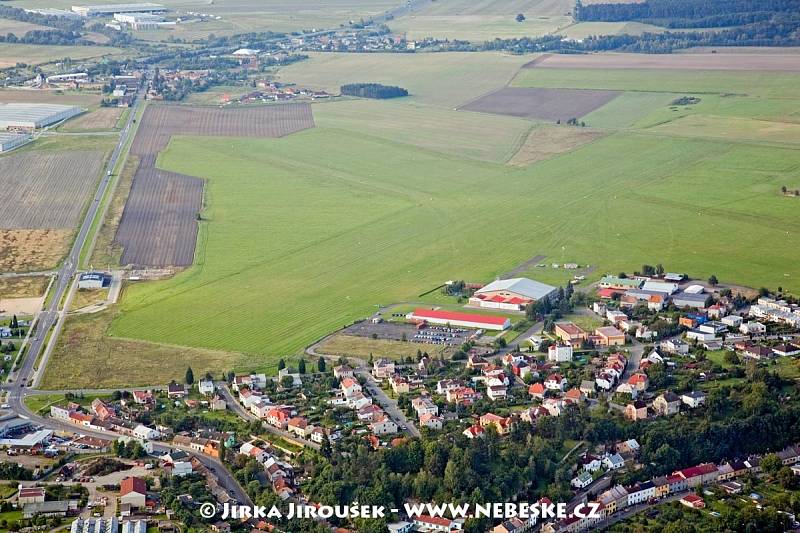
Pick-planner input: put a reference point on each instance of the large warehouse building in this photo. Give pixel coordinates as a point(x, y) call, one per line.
point(9, 141)
point(511, 294)
point(110, 9)
point(457, 319)
point(34, 116)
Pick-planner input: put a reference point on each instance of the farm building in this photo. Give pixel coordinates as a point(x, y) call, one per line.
point(94, 280)
point(101, 10)
point(511, 294)
point(34, 116)
point(9, 141)
point(455, 318)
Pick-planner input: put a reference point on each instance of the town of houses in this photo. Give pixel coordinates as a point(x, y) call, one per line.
point(637, 324)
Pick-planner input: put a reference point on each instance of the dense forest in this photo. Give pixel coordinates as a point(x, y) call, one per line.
point(688, 13)
point(373, 90)
point(63, 37)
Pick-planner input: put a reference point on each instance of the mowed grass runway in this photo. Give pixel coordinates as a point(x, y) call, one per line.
point(303, 234)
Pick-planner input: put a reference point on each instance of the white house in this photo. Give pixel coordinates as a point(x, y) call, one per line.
point(693, 399)
point(559, 353)
point(205, 386)
point(753, 328)
point(733, 321)
point(145, 433)
point(613, 462)
point(582, 480)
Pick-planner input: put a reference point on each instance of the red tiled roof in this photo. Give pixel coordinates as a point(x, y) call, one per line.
point(132, 484)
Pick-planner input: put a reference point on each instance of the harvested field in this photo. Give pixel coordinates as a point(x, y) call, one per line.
point(29, 180)
point(732, 61)
point(548, 141)
point(41, 96)
point(28, 250)
point(159, 224)
point(23, 287)
point(104, 118)
point(544, 104)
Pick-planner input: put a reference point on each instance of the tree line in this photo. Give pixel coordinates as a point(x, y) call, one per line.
point(687, 13)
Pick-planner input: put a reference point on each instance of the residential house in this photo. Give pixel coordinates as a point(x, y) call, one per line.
point(582, 480)
point(693, 399)
point(570, 333)
point(613, 461)
point(555, 382)
point(342, 371)
point(610, 336)
point(206, 386)
point(636, 410)
point(383, 369)
point(667, 404)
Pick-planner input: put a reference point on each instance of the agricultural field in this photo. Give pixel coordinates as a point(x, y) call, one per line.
point(484, 137)
point(79, 98)
point(749, 62)
point(34, 54)
point(381, 230)
point(446, 79)
point(300, 235)
point(484, 20)
point(30, 178)
point(547, 141)
point(100, 119)
point(159, 223)
point(258, 15)
point(18, 27)
point(30, 250)
point(37, 225)
point(543, 104)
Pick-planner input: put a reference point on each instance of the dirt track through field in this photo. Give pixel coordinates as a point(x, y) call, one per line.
point(46, 190)
point(544, 104)
point(732, 61)
point(159, 224)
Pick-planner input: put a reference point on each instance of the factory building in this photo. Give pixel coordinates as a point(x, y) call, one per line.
point(110, 9)
point(29, 117)
point(9, 141)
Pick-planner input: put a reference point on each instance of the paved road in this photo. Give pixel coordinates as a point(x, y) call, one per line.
point(237, 408)
point(362, 369)
point(51, 317)
point(389, 405)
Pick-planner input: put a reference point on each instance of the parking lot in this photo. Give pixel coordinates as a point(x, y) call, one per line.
point(398, 332)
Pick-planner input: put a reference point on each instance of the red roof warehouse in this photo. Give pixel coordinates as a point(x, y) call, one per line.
point(456, 318)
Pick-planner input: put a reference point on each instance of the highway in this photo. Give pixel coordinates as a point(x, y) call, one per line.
point(51, 317)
